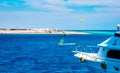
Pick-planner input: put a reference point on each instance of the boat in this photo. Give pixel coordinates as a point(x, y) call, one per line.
point(107, 59)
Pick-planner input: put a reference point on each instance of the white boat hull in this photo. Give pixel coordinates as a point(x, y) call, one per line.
point(107, 60)
point(99, 65)
point(95, 67)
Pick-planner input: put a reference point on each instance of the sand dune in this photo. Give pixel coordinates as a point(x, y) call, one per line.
point(39, 32)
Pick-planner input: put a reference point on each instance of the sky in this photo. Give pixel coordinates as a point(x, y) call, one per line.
point(60, 14)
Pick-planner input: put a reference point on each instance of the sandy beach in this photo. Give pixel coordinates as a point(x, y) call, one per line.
point(31, 31)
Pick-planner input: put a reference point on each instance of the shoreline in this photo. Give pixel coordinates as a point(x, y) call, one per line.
point(40, 32)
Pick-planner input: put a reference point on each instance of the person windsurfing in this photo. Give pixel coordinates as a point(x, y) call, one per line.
point(62, 40)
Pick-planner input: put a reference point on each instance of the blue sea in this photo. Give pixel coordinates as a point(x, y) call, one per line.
point(40, 53)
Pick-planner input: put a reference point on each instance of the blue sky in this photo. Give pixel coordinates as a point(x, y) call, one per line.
point(60, 14)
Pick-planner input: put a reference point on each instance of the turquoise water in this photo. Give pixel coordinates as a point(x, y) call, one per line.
point(40, 53)
point(102, 32)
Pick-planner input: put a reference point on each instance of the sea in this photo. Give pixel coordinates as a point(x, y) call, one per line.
point(40, 53)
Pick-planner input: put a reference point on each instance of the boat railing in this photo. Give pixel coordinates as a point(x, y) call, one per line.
point(89, 49)
point(84, 50)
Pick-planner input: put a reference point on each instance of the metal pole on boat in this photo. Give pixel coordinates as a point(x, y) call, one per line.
point(118, 27)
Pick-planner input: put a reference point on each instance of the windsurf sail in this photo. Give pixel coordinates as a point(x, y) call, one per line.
point(62, 40)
